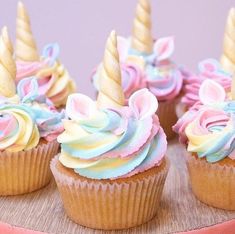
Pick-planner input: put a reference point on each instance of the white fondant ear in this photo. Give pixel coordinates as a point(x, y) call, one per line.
point(209, 65)
point(27, 88)
point(164, 48)
point(51, 52)
point(79, 106)
point(123, 47)
point(143, 104)
point(211, 92)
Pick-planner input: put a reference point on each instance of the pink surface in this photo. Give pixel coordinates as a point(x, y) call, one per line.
point(8, 229)
point(81, 28)
point(223, 228)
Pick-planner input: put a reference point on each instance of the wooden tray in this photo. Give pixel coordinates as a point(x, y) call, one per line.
point(179, 211)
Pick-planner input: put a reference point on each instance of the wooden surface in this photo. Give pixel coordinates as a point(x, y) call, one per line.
point(179, 211)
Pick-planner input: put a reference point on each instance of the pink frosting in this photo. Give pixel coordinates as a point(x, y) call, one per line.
point(168, 86)
point(28, 69)
point(132, 79)
point(208, 69)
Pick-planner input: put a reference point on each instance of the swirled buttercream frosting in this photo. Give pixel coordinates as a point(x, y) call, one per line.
point(111, 143)
point(208, 129)
point(53, 78)
point(208, 69)
point(18, 130)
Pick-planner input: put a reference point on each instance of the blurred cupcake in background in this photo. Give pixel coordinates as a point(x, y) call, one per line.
point(146, 62)
point(27, 134)
point(221, 72)
point(208, 131)
point(112, 166)
point(53, 78)
point(208, 69)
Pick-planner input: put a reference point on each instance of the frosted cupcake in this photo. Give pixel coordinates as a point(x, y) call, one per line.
point(53, 78)
point(208, 69)
point(151, 61)
point(29, 126)
point(208, 131)
point(112, 167)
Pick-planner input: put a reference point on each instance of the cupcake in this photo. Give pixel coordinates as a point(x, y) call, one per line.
point(112, 166)
point(151, 61)
point(53, 78)
point(208, 69)
point(208, 131)
point(27, 134)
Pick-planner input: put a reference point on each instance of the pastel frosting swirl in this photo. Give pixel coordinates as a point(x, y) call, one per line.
point(53, 79)
point(209, 129)
point(112, 143)
point(47, 118)
point(208, 69)
point(18, 130)
point(162, 77)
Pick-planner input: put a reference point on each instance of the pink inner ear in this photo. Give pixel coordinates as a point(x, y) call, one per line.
point(79, 106)
point(164, 48)
point(27, 87)
point(208, 65)
point(143, 104)
point(211, 92)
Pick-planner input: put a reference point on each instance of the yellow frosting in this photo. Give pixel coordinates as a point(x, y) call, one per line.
point(228, 56)
point(142, 40)
point(62, 86)
point(26, 49)
point(26, 135)
point(7, 66)
point(110, 83)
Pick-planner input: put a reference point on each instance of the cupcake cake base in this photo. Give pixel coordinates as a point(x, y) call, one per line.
point(167, 116)
point(26, 171)
point(110, 204)
point(213, 184)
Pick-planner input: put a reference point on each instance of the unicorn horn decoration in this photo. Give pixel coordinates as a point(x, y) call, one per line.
point(26, 49)
point(110, 82)
point(228, 56)
point(142, 39)
point(7, 66)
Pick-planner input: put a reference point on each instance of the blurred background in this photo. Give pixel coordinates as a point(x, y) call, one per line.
point(81, 28)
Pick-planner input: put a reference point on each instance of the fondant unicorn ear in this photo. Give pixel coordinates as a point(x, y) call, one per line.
point(164, 48)
point(27, 89)
point(51, 51)
point(143, 104)
point(123, 47)
point(209, 65)
point(79, 106)
point(211, 92)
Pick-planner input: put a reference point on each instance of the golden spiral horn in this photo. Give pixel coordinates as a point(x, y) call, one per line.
point(7, 66)
point(26, 49)
point(228, 56)
point(110, 83)
point(142, 40)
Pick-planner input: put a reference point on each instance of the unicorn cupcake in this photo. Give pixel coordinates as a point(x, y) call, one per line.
point(112, 153)
point(53, 78)
point(146, 63)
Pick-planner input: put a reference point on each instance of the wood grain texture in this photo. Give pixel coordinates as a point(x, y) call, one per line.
point(179, 211)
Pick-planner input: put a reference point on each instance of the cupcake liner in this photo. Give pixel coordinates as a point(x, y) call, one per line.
point(167, 116)
point(111, 204)
point(26, 171)
point(213, 184)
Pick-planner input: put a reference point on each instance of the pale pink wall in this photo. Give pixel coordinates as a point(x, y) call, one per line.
point(81, 28)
